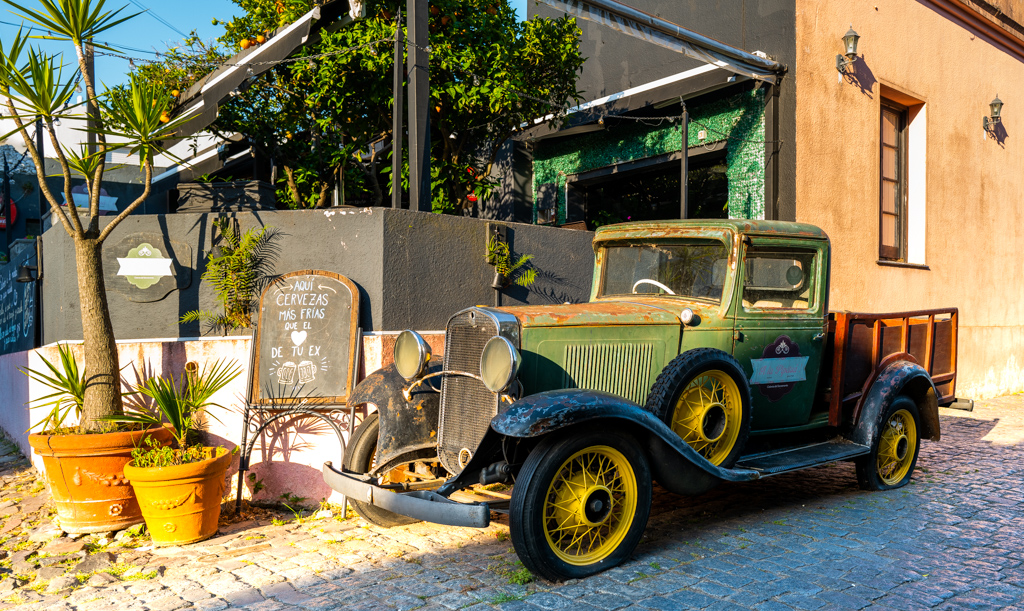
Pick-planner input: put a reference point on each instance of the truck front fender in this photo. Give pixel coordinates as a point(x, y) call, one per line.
point(898, 377)
point(408, 429)
point(676, 465)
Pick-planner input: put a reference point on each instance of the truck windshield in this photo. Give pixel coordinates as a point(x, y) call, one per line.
point(687, 268)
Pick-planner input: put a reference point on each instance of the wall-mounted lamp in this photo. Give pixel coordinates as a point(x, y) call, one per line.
point(25, 273)
point(850, 43)
point(996, 109)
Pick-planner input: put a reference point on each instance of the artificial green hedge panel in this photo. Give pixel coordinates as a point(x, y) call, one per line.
point(738, 119)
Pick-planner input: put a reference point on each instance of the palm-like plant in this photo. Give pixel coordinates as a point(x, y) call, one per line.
point(516, 271)
point(180, 402)
point(35, 86)
point(238, 269)
point(68, 382)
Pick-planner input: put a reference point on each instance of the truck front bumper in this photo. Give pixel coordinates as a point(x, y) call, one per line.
point(419, 504)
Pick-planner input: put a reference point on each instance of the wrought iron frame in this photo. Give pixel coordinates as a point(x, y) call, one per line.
point(257, 417)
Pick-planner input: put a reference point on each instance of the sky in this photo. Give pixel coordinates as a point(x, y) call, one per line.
point(164, 25)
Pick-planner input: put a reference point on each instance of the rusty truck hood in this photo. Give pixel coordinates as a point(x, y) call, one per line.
point(600, 313)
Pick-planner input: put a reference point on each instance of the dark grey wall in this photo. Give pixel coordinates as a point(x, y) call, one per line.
point(616, 62)
point(435, 265)
point(414, 269)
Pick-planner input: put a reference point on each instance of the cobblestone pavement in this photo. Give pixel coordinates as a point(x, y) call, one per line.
point(952, 539)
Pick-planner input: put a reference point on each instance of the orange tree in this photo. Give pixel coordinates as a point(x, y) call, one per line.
point(37, 86)
point(327, 111)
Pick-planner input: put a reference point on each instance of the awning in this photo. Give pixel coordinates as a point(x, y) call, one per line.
point(217, 154)
point(681, 86)
point(655, 30)
point(201, 101)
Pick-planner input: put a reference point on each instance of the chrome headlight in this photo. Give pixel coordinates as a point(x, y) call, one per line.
point(412, 353)
point(499, 364)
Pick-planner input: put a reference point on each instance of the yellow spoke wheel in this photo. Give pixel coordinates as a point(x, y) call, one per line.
point(896, 447)
point(580, 502)
point(709, 415)
point(589, 505)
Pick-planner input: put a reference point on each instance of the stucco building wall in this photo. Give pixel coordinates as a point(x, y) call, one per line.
point(966, 196)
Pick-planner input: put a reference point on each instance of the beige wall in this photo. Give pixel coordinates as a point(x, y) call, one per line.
point(973, 225)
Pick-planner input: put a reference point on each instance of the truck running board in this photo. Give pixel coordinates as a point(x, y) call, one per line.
point(802, 457)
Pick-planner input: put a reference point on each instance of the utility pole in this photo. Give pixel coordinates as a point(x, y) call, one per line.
point(417, 16)
point(396, 114)
point(684, 179)
point(90, 62)
point(40, 173)
point(5, 196)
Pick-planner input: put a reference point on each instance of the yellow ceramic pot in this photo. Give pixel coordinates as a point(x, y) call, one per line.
point(181, 504)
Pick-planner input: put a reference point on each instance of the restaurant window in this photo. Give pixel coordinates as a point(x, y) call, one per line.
point(893, 187)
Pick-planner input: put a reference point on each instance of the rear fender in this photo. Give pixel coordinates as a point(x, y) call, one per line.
point(898, 377)
point(673, 463)
point(408, 429)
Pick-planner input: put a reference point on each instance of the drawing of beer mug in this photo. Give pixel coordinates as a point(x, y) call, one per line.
point(307, 372)
point(286, 373)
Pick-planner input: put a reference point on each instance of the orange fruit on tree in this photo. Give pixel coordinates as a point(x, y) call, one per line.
point(261, 39)
point(175, 93)
point(245, 44)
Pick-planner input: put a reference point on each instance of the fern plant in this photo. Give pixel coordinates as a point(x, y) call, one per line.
point(239, 269)
point(518, 272)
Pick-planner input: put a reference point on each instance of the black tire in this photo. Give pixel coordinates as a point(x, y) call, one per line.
point(359, 457)
point(718, 434)
point(895, 448)
point(536, 511)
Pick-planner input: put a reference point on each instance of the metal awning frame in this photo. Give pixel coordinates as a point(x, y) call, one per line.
point(201, 101)
point(638, 24)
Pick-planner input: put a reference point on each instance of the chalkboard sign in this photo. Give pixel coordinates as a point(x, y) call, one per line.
point(18, 318)
point(305, 340)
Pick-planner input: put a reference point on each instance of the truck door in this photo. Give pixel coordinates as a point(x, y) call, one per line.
point(780, 324)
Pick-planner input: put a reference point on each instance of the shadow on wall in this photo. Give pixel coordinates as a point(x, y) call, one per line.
point(998, 132)
point(860, 75)
point(550, 286)
point(272, 474)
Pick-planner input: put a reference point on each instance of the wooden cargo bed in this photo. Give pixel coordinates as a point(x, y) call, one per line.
point(863, 344)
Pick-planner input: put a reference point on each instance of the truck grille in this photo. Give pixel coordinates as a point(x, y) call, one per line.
point(620, 369)
point(466, 405)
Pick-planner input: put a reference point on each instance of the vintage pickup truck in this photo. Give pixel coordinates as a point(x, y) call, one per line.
point(707, 354)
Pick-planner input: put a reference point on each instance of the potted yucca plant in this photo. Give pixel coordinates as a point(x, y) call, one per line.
point(85, 472)
point(39, 88)
point(179, 487)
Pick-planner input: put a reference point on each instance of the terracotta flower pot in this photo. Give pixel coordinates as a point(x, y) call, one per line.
point(181, 504)
point(85, 474)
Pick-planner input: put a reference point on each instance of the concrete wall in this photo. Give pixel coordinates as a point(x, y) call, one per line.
point(968, 221)
point(616, 62)
point(414, 269)
point(14, 412)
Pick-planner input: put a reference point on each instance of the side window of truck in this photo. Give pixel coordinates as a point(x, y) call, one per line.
point(778, 279)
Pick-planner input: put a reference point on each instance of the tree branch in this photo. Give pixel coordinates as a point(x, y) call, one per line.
point(72, 209)
point(55, 208)
point(148, 165)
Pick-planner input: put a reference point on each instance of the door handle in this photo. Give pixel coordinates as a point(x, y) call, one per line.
point(818, 337)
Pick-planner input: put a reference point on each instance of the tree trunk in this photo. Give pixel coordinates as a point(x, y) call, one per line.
point(103, 391)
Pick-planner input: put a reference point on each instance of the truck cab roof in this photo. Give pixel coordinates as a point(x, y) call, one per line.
point(646, 230)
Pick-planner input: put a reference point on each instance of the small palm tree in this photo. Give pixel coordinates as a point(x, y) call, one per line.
point(36, 86)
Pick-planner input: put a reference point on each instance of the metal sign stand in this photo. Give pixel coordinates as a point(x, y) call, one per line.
point(256, 418)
